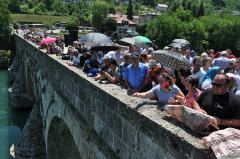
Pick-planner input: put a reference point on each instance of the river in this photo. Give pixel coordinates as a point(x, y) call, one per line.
point(11, 121)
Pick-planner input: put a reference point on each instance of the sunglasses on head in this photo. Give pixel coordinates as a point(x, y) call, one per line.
point(217, 84)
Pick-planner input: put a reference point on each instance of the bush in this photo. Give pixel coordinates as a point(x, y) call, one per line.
point(5, 59)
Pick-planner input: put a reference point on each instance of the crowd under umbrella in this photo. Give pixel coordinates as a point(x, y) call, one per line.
point(48, 40)
point(104, 47)
point(181, 41)
point(132, 41)
point(178, 45)
point(171, 59)
point(143, 39)
point(92, 39)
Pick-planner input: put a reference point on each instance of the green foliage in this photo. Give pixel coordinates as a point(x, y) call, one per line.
point(149, 2)
point(24, 8)
point(5, 59)
point(99, 14)
point(213, 31)
point(14, 6)
point(46, 19)
point(163, 29)
point(130, 10)
point(142, 29)
point(39, 9)
point(59, 8)
point(183, 15)
point(5, 19)
point(110, 26)
point(201, 11)
point(223, 32)
point(72, 24)
point(195, 32)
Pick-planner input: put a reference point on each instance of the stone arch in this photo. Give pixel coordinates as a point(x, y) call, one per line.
point(60, 142)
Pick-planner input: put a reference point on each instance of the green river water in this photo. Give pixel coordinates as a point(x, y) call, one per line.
point(11, 121)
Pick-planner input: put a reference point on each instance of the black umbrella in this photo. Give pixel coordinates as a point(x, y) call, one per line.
point(105, 47)
point(93, 39)
point(171, 59)
point(181, 41)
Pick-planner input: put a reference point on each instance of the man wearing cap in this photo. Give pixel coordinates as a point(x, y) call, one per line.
point(135, 75)
point(220, 103)
point(222, 61)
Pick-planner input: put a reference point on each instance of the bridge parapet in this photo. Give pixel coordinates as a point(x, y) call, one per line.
point(121, 126)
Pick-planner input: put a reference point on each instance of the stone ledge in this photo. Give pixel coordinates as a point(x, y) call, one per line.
point(147, 118)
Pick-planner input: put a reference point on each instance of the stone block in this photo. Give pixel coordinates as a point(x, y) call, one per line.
point(121, 149)
point(146, 148)
point(129, 134)
point(102, 96)
point(113, 103)
point(98, 125)
point(107, 135)
point(101, 109)
point(113, 121)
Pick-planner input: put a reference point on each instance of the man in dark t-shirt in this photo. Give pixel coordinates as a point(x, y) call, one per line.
point(220, 103)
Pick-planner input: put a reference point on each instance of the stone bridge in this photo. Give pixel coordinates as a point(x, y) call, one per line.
point(75, 117)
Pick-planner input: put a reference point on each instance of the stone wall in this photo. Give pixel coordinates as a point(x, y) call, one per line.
point(102, 118)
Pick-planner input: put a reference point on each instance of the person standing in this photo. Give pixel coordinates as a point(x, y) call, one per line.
point(220, 103)
point(135, 75)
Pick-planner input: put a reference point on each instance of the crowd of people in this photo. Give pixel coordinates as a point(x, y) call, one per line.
point(211, 86)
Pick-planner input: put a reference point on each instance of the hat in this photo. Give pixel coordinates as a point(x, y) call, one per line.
point(153, 63)
point(75, 42)
point(135, 54)
point(204, 55)
point(223, 53)
point(106, 56)
point(150, 49)
point(166, 48)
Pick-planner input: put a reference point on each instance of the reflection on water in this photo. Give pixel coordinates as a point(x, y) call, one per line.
point(11, 121)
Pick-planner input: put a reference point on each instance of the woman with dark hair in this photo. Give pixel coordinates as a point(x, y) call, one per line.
point(165, 91)
point(181, 75)
point(191, 84)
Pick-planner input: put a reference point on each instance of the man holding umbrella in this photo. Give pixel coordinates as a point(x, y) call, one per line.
point(135, 75)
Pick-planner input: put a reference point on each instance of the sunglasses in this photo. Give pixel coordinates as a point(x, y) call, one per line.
point(217, 84)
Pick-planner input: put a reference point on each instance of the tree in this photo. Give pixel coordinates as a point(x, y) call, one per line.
point(130, 10)
point(110, 26)
point(163, 29)
point(141, 29)
point(183, 15)
point(149, 2)
point(201, 10)
point(48, 4)
point(59, 8)
point(5, 19)
point(99, 14)
point(81, 11)
point(14, 6)
point(195, 32)
point(39, 8)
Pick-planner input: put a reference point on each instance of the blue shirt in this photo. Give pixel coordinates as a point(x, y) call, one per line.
point(163, 96)
point(136, 76)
